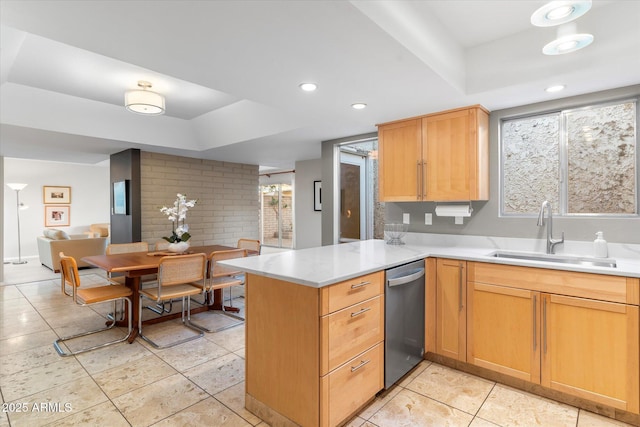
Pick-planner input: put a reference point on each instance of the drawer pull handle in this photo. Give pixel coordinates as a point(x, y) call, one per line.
point(362, 363)
point(359, 285)
point(358, 313)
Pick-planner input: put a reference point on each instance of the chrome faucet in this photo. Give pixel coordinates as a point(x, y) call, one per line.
point(551, 243)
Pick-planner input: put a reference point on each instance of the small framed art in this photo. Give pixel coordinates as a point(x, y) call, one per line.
point(317, 195)
point(56, 216)
point(120, 196)
point(56, 195)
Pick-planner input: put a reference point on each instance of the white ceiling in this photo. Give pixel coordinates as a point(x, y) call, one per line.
point(230, 70)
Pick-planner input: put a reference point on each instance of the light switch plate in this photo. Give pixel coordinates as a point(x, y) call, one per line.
point(406, 219)
point(428, 219)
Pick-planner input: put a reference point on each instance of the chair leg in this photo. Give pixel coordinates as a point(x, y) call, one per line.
point(187, 323)
point(59, 341)
point(224, 312)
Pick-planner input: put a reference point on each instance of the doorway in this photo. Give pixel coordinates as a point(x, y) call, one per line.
point(276, 215)
point(361, 216)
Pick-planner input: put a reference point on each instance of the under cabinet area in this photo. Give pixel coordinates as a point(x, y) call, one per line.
point(436, 157)
point(314, 356)
point(577, 333)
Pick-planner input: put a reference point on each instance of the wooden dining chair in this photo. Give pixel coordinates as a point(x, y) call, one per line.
point(179, 276)
point(219, 280)
point(161, 245)
point(85, 296)
point(249, 244)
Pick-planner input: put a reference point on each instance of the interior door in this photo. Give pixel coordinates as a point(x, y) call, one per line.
point(353, 220)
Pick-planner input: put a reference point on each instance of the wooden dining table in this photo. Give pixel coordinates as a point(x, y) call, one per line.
point(134, 265)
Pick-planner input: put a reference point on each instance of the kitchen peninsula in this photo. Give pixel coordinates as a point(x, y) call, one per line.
point(307, 365)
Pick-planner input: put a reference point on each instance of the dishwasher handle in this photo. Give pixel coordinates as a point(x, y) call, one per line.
point(396, 281)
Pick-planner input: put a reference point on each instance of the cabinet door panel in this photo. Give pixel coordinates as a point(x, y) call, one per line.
point(451, 309)
point(503, 330)
point(400, 161)
point(590, 349)
point(449, 139)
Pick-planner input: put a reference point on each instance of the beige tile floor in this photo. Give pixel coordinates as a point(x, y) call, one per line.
point(202, 382)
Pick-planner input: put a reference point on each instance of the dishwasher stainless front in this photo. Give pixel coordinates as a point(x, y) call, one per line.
point(404, 320)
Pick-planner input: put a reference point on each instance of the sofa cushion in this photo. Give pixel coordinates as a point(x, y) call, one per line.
point(100, 230)
point(55, 234)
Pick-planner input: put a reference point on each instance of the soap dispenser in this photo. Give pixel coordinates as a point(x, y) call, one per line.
point(600, 246)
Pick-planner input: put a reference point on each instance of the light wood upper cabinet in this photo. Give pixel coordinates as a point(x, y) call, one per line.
point(451, 328)
point(437, 157)
point(400, 161)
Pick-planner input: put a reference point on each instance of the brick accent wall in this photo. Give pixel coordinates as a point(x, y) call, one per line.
point(228, 198)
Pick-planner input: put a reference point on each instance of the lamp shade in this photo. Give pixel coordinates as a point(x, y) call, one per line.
point(144, 102)
point(16, 186)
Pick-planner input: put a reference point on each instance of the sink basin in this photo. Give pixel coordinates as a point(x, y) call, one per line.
point(560, 259)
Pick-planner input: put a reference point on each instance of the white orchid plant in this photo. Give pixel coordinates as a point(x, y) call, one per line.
point(177, 214)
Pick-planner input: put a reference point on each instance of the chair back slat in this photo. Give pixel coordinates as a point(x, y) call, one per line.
point(69, 271)
point(216, 256)
point(180, 269)
point(123, 248)
point(250, 244)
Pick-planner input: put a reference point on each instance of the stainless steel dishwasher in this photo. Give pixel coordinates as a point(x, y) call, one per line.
point(404, 320)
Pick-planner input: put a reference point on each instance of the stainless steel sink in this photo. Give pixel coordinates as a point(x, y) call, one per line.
point(560, 259)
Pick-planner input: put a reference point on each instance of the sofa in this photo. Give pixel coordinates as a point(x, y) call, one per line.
point(75, 245)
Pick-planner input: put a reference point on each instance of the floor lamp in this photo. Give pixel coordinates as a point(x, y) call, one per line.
point(17, 187)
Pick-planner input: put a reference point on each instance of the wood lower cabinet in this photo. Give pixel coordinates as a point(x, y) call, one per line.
point(437, 157)
point(590, 350)
point(451, 311)
point(585, 347)
point(313, 356)
point(503, 330)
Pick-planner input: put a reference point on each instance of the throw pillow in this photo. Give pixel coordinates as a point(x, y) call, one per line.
point(55, 234)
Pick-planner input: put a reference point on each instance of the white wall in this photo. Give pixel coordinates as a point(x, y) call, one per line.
point(308, 222)
point(89, 200)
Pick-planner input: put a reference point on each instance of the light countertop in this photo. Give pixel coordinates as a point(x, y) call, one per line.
point(326, 265)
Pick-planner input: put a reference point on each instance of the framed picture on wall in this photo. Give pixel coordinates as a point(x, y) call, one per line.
point(57, 216)
point(317, 195)
point(56, 195)
point(120, 193)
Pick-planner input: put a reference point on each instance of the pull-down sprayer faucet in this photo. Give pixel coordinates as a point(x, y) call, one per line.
point(551, 243)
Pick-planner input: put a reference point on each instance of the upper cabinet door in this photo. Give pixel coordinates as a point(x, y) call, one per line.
point(400, 161)
point(438, 157)
point(456, 155)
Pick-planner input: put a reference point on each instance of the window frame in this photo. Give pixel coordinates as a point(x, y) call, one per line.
point(563, 168)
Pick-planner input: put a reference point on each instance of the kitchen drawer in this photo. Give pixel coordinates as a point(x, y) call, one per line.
point(577, 284)
point(343, 294)
point(352, 385)
point(350, 331)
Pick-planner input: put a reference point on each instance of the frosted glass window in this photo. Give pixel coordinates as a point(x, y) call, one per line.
point(530, 163)
point(601, 153)
point(583, 161)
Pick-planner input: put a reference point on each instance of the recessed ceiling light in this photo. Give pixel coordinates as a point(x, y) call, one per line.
point(559, 12)
point(555, 88)
point(359, 105)
point(567, 44)
point(308, 87)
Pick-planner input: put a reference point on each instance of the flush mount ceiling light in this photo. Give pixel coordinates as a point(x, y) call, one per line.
point(567, 44)
point(359, 105)
point(144, 101)
point(559, 12)
point(308, 87)
point(555, 88)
